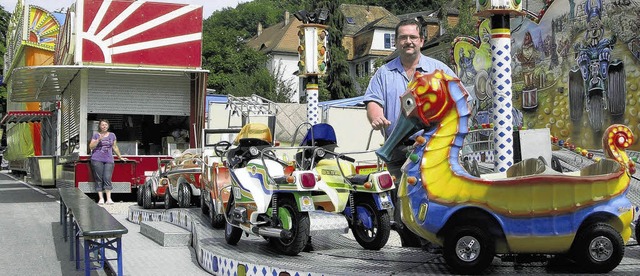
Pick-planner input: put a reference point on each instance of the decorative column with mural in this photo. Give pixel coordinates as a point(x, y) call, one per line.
point(312, 52)
point(500, 12)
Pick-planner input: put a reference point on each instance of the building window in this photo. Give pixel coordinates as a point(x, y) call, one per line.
point(389, 41)
point(366, 68)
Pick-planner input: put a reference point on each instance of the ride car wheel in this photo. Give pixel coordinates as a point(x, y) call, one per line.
point(147, 199)
point(598, 248)
point(139, 195)
point(169, 202)
point(204, 207)
point(371, 227)
point(468, 249)
point(217, 220)
point(638, 230)
point(297, 222)
point(184, 196)
point(232, 234)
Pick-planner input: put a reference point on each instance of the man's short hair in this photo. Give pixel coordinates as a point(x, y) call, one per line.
point(407, 22)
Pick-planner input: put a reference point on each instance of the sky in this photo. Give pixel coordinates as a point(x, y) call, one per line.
point(53, 5)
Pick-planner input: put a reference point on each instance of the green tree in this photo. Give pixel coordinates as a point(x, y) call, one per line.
point(262, 83)
point(338, 80)
point(398, 7)
point(4, 25)
point(246, 16)
point(235, 68)
point(466, 22)
point(228, 59)
point(466, 25)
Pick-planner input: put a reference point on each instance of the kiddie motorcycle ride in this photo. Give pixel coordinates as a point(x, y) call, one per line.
point(268, 197)
point(530, 210)
point(177, 181)
point(363, 199)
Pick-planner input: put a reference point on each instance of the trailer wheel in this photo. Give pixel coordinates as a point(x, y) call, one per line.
point(598, 248)
point(184, 196)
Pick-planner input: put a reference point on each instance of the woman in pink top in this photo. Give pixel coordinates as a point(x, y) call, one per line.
point(103, 145)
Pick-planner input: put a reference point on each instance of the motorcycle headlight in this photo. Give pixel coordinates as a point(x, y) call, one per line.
point(254, 151)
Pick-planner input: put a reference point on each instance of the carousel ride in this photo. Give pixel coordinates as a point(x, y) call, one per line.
point(529, 209)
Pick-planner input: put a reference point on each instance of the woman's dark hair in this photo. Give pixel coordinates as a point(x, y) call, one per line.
point(408, 22)
point(104, 120)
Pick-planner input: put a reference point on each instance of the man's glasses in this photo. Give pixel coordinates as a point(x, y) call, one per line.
point(413, 38)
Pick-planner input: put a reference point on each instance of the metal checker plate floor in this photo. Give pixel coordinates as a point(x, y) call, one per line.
point(337, 255)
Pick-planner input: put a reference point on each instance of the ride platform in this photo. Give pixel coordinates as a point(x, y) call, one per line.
point(337, 254)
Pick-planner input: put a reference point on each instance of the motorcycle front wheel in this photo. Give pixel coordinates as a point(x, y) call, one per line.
point(296, 222)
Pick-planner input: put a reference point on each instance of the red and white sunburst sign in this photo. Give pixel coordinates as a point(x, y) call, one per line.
point(131, 32)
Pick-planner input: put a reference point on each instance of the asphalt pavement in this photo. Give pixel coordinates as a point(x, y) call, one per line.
point(31, 240)
point(32, 243)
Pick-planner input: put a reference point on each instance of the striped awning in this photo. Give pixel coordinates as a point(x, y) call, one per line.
point(24, 116)
point(46, 83)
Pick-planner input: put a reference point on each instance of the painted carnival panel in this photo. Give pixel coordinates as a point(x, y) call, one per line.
point(575, 68)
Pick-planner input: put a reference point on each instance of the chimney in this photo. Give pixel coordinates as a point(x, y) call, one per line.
point(259, 28)
point(286, 18)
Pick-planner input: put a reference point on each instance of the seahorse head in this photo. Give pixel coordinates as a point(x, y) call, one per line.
point(428, 100)
point(427, 97)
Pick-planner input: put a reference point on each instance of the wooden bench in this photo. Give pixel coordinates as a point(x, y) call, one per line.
point(98, 229)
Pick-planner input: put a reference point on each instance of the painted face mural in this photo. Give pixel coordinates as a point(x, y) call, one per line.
point(575, 68)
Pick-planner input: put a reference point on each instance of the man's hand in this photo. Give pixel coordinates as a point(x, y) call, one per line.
point(375, 114)
point(380, 123)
